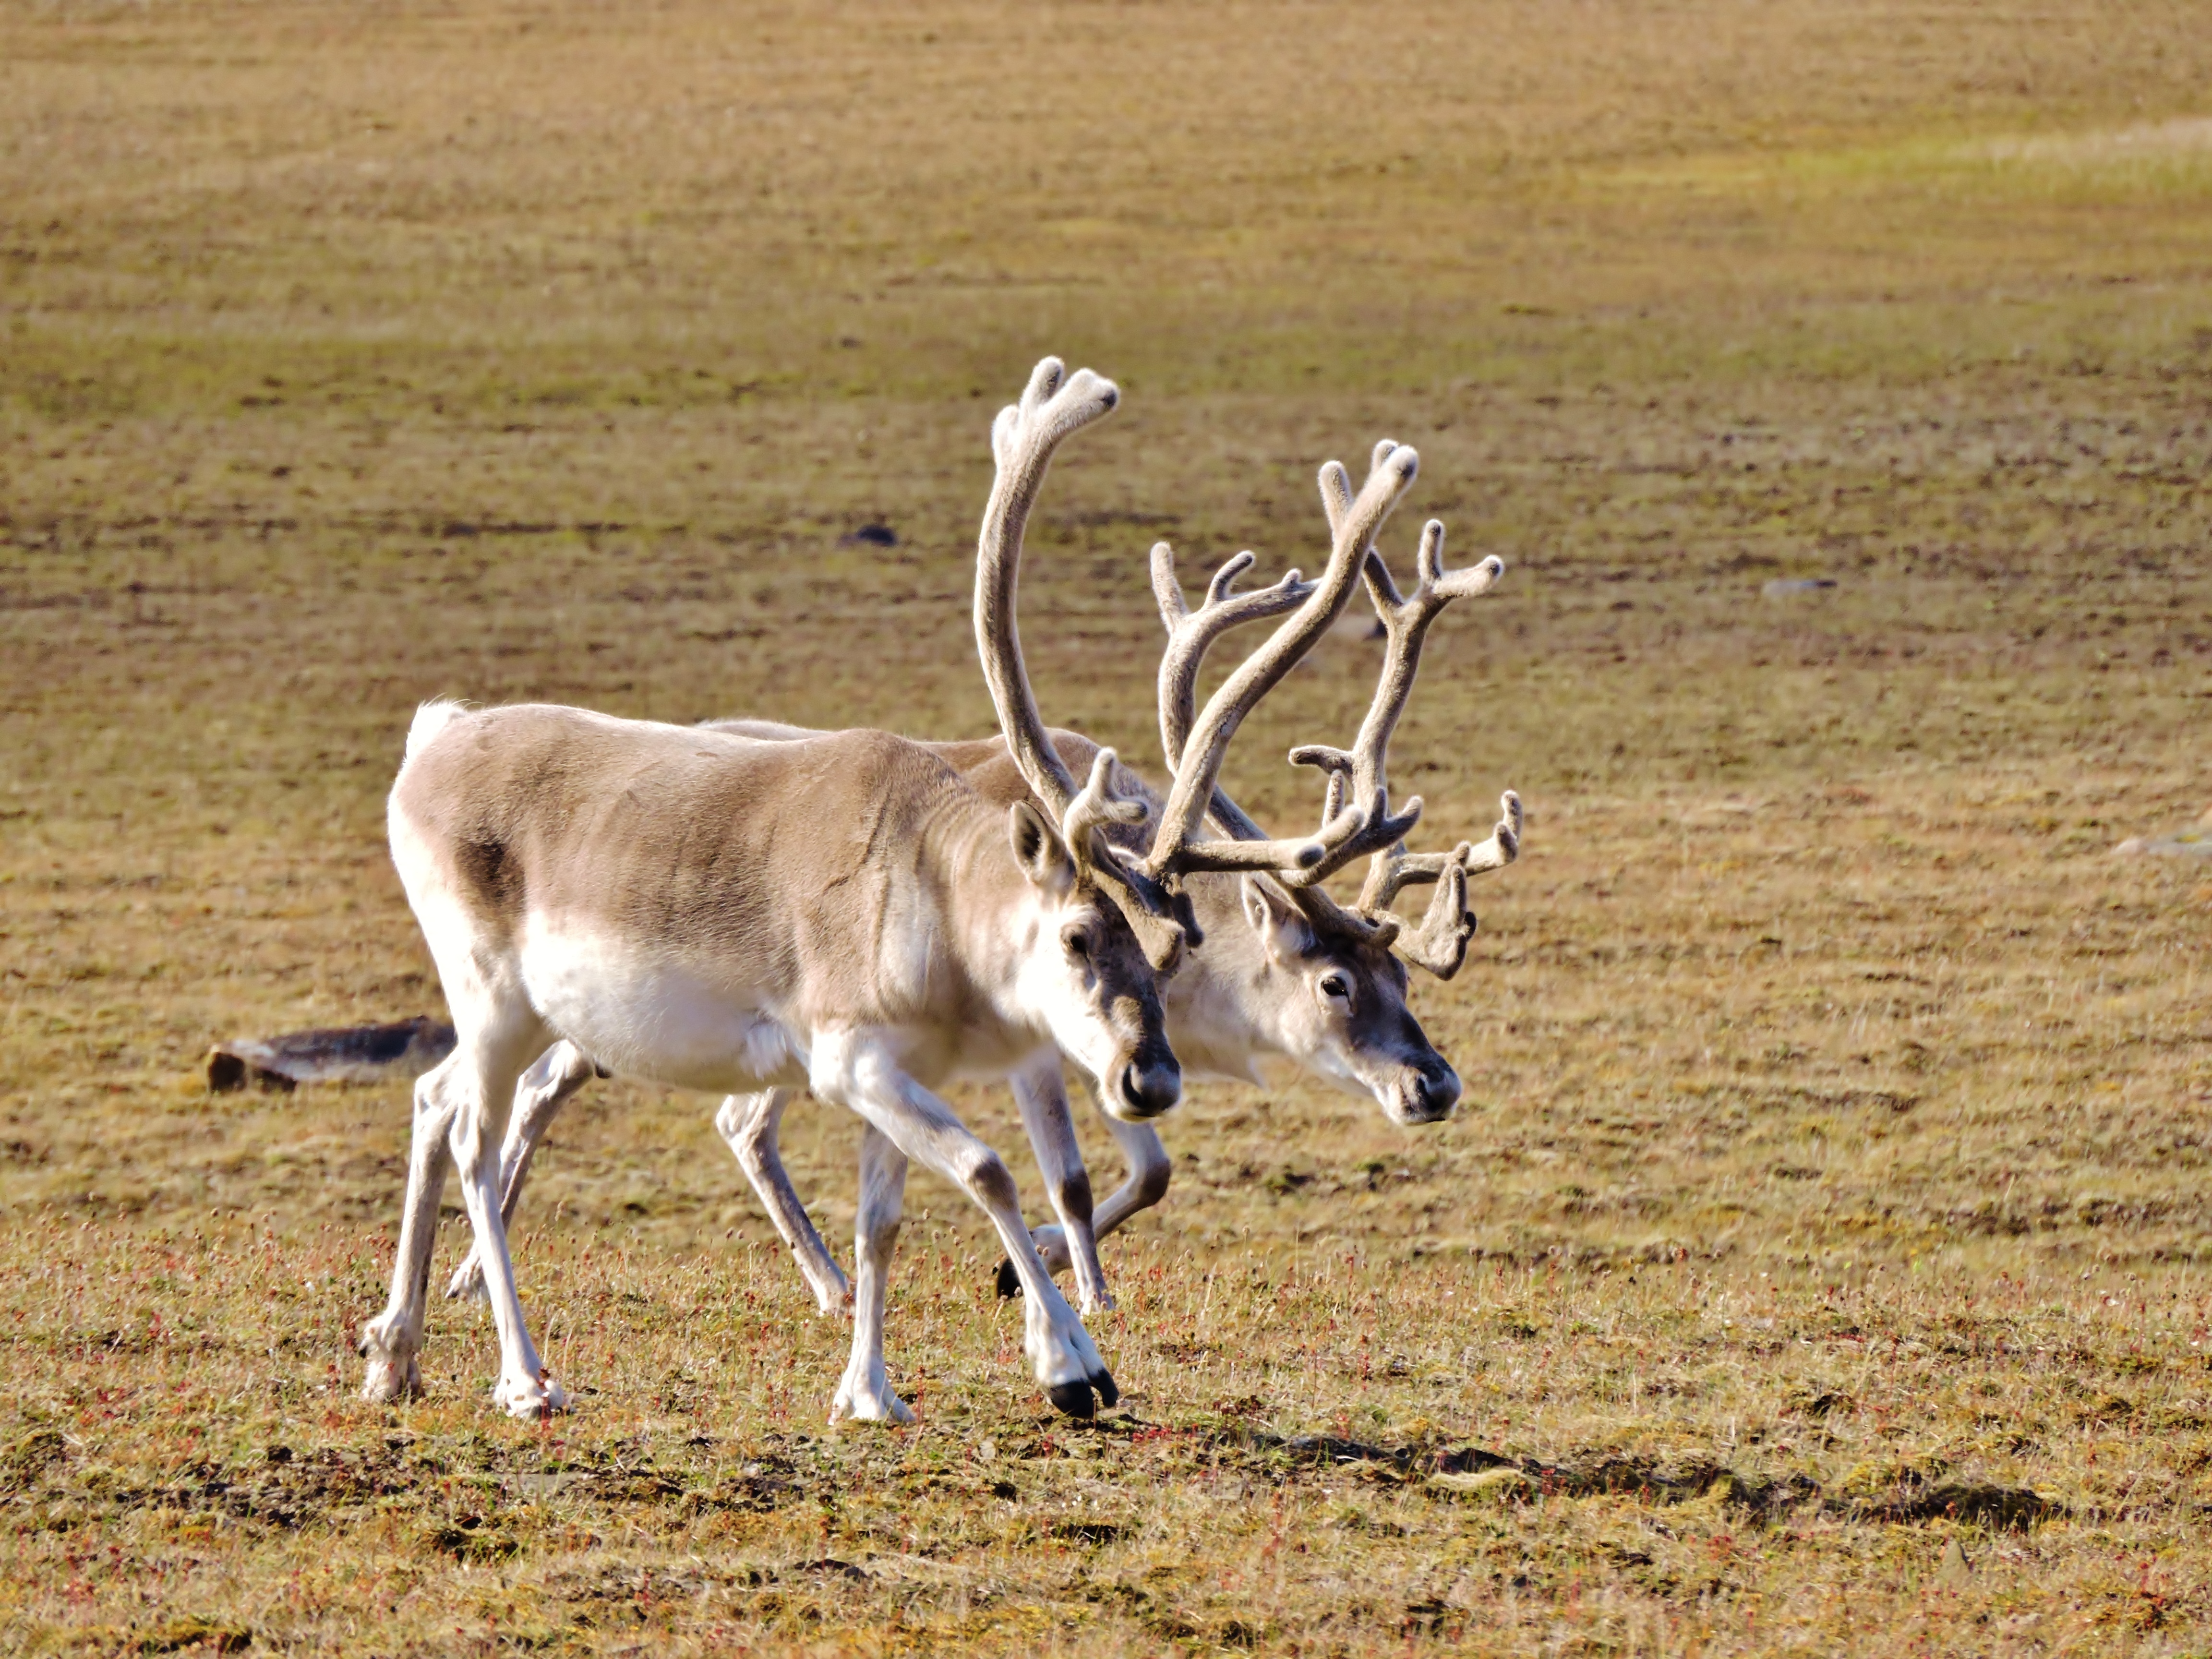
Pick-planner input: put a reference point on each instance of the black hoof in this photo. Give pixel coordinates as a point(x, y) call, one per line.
point(1010, 1282)
point(1103, 1380)
point(1073, 1399)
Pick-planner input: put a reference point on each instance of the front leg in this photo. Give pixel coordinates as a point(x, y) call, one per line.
point(858, 1069)
point(1145, 1185)
point(1041, 1094)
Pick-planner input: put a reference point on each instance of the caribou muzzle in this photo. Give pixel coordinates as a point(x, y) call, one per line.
point(1425, 1093)
point(1147, 1086)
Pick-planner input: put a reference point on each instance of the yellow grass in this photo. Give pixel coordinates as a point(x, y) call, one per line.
point(1823, 1245)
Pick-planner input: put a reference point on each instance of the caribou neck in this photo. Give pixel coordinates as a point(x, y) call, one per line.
point(1222, 1017)
point(995, 921)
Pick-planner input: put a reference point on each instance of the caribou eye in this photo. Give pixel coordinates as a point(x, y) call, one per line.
point(1077, 938)
point(1336, 988)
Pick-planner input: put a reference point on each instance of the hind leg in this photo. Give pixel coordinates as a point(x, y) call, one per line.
point(499, 1033)
point(749, 1123)
point(546, 1088)
point(865, 1393)
point(390, 1341)
point(492, 1056)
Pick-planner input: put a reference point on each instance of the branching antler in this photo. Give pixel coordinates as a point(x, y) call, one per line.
point(1098, 806)
point(1177, 850)
point(1393, 871)
point(1023, 439)
point(1191, 634)
point(1361, 772)
point(1358, 793)
point(1440, 946)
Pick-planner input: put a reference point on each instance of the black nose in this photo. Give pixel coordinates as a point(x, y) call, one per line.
point(1438, 1093)
point(1149, 1087)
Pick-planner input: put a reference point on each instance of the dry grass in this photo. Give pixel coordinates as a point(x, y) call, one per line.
point(1831, 1188)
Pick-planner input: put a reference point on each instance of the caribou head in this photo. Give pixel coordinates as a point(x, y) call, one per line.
point(1084, 965)
point(1331, 976)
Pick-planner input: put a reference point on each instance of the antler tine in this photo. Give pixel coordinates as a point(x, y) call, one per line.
point(1390, 873)
point(1394, 872)
point(1191, 634)
point(1504, 843)
point(1363, 769)
point(1354, 520)
point(1440, 944)
point(1098, 805)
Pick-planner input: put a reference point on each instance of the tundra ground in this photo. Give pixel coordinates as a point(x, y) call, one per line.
point(1821, 1260)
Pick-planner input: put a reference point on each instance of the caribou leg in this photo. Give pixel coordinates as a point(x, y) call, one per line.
point(1042, 1093)
point(454, 1104)
point(390, 1341)
point(488, 1073)
point(546, 1088)
point(749, 1123)
point(865, 1393)
point(857, 1069)
point(1145, 1185)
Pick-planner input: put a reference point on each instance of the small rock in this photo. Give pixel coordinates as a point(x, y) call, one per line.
point(1955, 1569)
point(1789, 587)
point(871, 535)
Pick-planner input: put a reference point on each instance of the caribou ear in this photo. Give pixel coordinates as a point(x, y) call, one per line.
point(1275, 917)
point(1039, 849)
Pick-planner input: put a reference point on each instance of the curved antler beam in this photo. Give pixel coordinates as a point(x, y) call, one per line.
point(1362, 769)
point(1023, 439)
point(1054, 405)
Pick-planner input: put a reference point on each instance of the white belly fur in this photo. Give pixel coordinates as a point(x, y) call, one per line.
point(646, 1017)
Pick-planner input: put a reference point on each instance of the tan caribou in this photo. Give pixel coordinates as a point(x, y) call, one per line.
point(1283, 971)
point(844, 913)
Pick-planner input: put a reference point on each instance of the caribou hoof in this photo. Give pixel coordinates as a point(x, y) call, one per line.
point(393, 1373)
point(1103, 1380)
point(868, 1402)
point(468, 1280)
point(389, 1383)
point(532, 1399)
point(1073, 1399)
point(1010, 1282)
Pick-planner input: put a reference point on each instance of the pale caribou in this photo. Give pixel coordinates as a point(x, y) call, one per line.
point(1283, 971)
point(845, 912)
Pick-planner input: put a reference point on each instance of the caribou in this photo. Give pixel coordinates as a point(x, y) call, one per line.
point(843, 912)
point(1285, 970)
